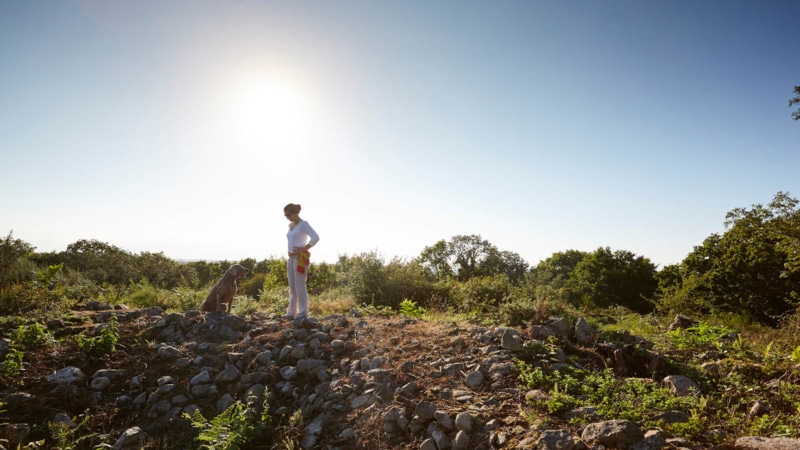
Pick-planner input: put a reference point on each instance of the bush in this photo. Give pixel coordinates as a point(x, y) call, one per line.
point(252, 286)
point(481, 294)
point(32, 336)
point(410, 309)
point(102, 344)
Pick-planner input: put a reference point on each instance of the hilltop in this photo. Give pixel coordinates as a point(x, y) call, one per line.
point(339, 382)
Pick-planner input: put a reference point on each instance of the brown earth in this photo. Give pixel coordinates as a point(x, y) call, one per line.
point(412, 349)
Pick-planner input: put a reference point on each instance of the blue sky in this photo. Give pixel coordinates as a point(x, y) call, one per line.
point(184, 127)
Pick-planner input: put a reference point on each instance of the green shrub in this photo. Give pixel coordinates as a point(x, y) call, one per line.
point(410, 308)
point(700, 337)
point(11, 365)
point(251, 286)
point(234, 427)
point(32, 336)
point(482, 294)
point(102, 344)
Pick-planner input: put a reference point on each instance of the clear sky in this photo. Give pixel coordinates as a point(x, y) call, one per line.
point(184, 127)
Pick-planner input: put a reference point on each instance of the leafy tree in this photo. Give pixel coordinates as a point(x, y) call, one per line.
point(481, 294)
point(605, 278)
point(160, 270)
point(556, 270)
point(752, 268)
point(276, 276)
point(366, 278)
point(100, 261)
point(207, 273)
point(435, 259)
point(321, 277)
point(795, 101)
point(468, 256)
point(11, 252)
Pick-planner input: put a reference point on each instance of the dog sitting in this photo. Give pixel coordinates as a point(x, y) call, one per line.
point(221, 295)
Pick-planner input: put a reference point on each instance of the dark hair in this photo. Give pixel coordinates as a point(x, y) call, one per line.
point(292, 208)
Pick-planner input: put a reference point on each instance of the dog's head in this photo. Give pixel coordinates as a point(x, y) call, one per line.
point(237, 271)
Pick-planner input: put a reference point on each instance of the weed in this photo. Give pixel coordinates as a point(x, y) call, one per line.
point(410, 308)
point(234, 427)
point(32, 336)
point(102, 344)
point(12, 364)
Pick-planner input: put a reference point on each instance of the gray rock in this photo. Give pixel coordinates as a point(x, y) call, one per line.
point(67, 375)
point(183, 363)
point(541, 332)
point(681, 322)
point(228, 375)
point(559, 325)
point(204, 390)
point(424, 412)
point(463, 422)
point(460, 441)
point(201, 378)
point(167, 352)
point(454, 369)
point(759, 408)
point(502, 368)
point(428, 444)
point(612, 432)
point(474, 379)
point(765, 443)
point(298, 352)
point(653, 440)
point(111, 374)
point(555, 440)
point(511, 340)
point(392, 414)
point(441, 440)
point(132, 438)
point(444, 420)
point(682, 386)
point(584, 332)
point(264, 358)
point(64, 419)
point(288, 373)
point(15, 433)
point(363, 400)
point(100, 384)
point(537, 395)
point(224, 402)
point(711, 367)
point(314, 428)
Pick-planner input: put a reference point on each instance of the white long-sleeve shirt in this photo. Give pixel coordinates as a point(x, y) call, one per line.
point(300, 235)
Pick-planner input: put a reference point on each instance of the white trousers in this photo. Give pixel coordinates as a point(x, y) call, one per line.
point(298, 291)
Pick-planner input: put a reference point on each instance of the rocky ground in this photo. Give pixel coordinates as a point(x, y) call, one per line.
point(336, 382)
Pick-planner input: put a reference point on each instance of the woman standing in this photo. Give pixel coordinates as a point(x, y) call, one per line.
point(301, 238)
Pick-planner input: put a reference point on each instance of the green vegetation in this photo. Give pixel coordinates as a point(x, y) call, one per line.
point(234, 427)
point(102, 344)
point(742, 287)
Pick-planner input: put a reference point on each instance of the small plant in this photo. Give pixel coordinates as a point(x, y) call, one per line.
point(102, 344)
point(227, 431)
point(796, 355)
point(67, 438)
point(234, 427)
point(410, 308)
point(699, 337)
point(32, 336)
point(12, 364)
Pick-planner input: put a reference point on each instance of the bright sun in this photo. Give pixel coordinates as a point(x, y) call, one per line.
point(271, 116)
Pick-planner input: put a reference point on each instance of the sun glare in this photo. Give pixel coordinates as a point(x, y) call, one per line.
point(272, 116)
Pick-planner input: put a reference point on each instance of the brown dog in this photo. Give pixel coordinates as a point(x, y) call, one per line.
point(221, 295)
